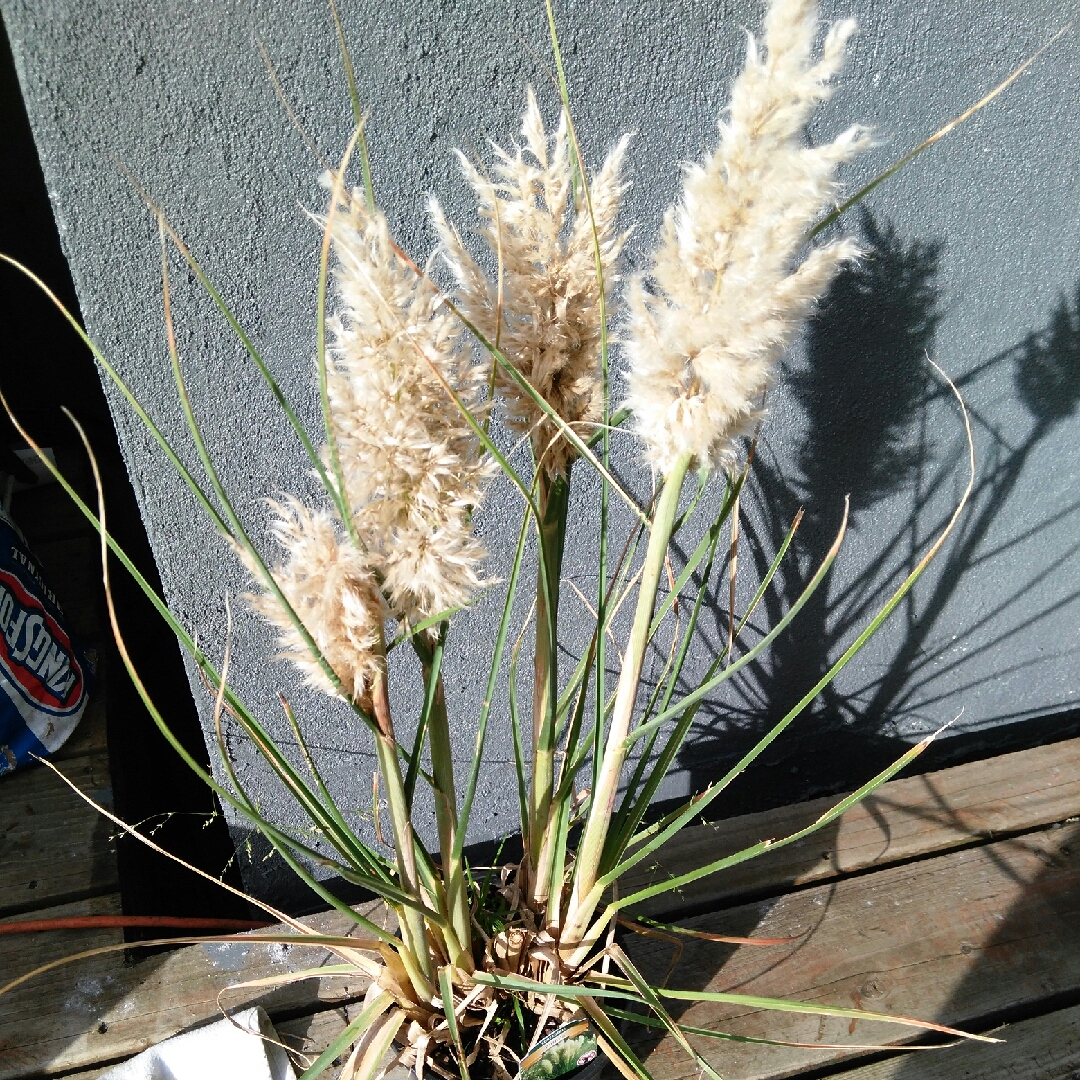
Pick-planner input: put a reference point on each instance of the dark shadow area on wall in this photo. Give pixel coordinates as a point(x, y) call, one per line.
point(1046, 378)
point(866, 391)
point(43, 367)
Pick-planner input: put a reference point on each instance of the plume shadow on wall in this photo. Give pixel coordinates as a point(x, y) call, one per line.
point(868, 394)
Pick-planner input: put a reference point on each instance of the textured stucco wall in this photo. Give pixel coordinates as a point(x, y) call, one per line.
point(977, 246)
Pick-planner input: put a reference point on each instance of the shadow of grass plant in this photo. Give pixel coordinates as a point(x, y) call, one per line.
point(477, 967)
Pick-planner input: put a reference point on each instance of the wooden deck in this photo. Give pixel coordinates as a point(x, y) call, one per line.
point(953, 896)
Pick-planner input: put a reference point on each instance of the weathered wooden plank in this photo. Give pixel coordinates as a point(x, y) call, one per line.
point(1043, 1048)
point(1046, 1048)
point(54, 848)
point(308, 1036)
point(954, 938)
point(104, 1009)
point(906, 818)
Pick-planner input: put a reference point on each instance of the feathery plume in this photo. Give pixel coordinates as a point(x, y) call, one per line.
point(727, 296)
point(412, 466)
point(332, 590)
point(550, 304)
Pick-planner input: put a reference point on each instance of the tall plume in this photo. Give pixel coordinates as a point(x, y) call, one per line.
point(332, 590)
point(728, 291)
point(550, 305)
point(411, 466)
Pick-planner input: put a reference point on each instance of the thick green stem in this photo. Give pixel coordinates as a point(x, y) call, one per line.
point(415, 955)
point(553, 500)
point(584, 898)
point(442, 770)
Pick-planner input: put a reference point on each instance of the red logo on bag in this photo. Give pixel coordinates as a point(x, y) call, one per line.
point(35, 653)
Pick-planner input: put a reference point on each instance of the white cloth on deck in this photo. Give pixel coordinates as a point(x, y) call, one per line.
point(227, 1050)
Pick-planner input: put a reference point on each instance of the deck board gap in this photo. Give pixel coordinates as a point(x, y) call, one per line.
point(777, 890)
point(56, 900)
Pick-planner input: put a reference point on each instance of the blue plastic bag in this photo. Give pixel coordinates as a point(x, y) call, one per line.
point(44, 675)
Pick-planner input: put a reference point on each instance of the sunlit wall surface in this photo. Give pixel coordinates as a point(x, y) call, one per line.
point(972, 261)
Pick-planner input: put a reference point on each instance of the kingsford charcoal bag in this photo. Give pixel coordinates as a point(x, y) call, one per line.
point(44, 677)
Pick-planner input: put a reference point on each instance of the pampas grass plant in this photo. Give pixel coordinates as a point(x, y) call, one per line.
point(480, 968)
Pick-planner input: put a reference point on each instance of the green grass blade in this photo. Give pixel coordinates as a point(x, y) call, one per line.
point(556, 875)
point(767, 845)
point(600, 649)
point(703, 476)
point(563, 991)
point(590, 847)
point(455, 888)
point(553, 500)
point(324, 893)
point(633, 805)
point(341, 839)
point(393, 895)
point(519, 752)
point(649, 997)
point(610, 606)
point(674, 822)
point(631, 1064)
point(353, 1031)
point(541, 403)
point(375, 863)
point(446, 992)
point(766, 581)
point(709, 1033)
point(573, 750)
point(337, 833)
point(682, 728)
point(276, 836)
point(133, 401)
point(927, 143)
point(700, 552)
point(238, 533)
point(812, 1009)
point(249, 347)
point(358, 115)
point(428, 623)
point(708, 685)
point(489, 694)
point(615, 420)
point(435, 661)
point(222, 792)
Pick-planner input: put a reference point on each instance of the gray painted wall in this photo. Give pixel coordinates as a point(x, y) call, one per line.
point(977, 262)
